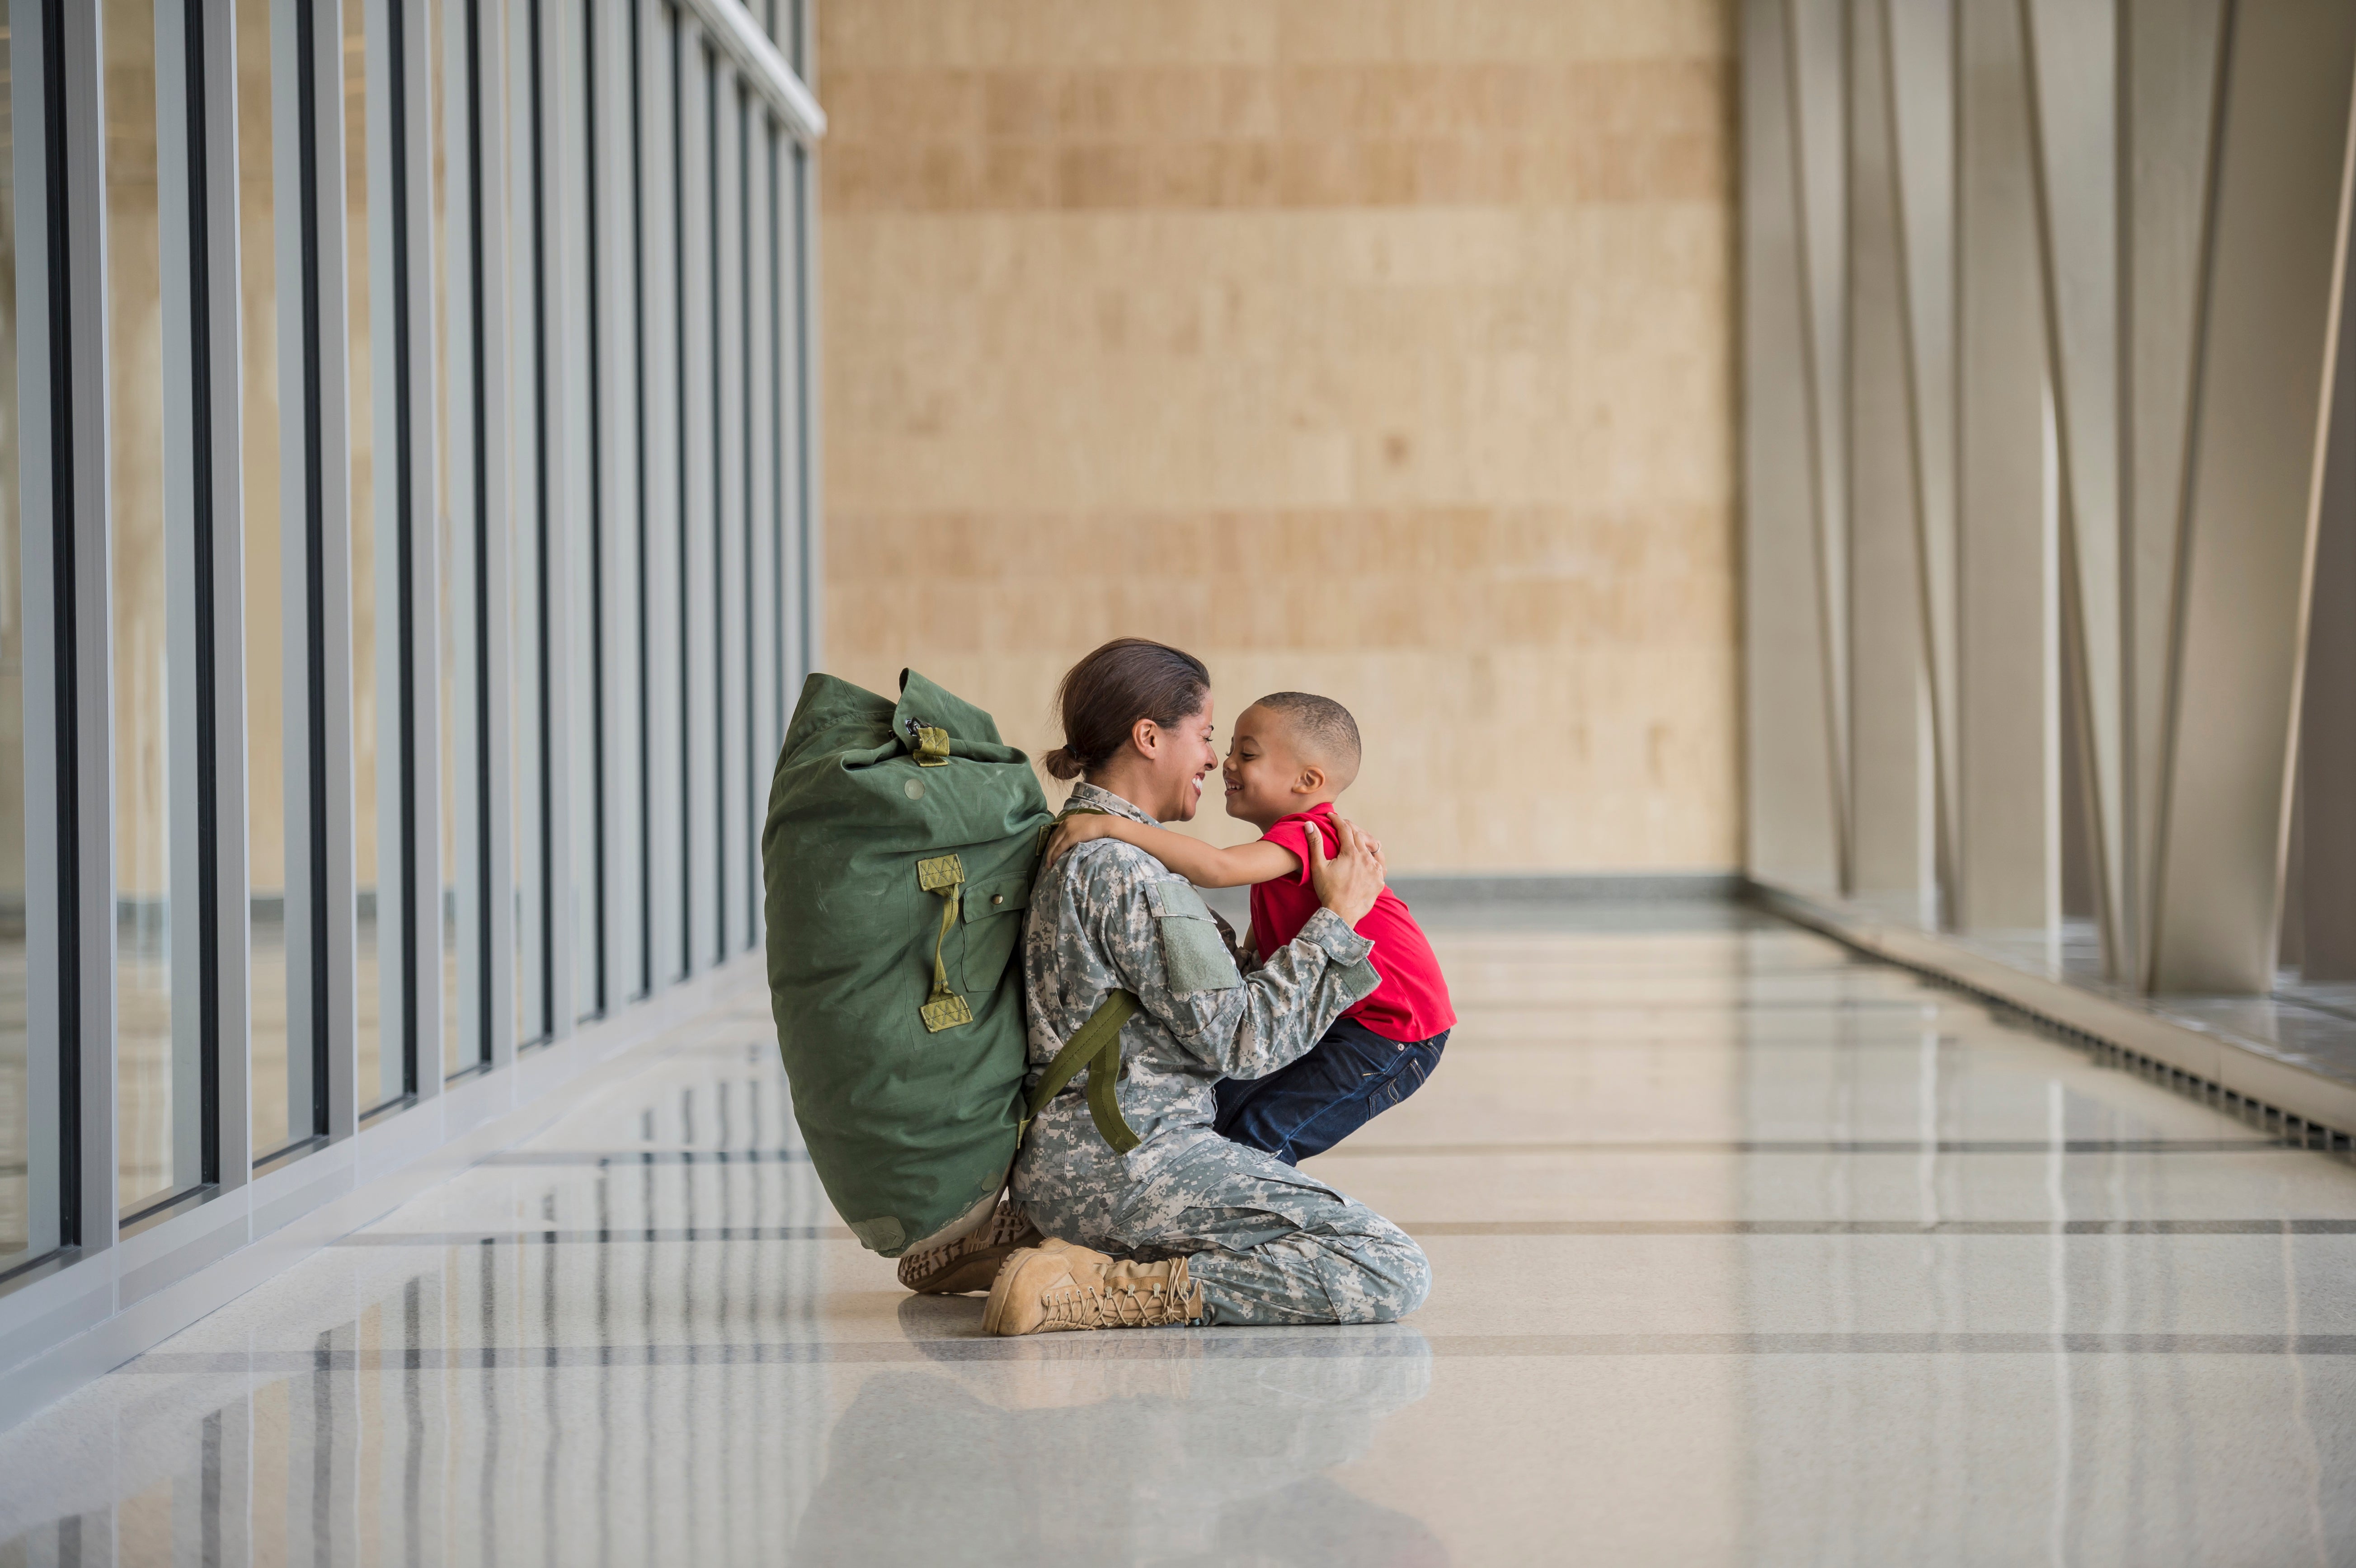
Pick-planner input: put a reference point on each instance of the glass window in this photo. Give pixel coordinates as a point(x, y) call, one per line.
point(777, 429)
point(699, 616)
point(803, 525)
point(661, 186)
point(785, 334)
point(142, 606)
point(15, 1125)
point(761, 501)
point(621, 302)
point(529, 484)
point(265, 663)
point(454, 616)
point(728, 563)
point(375, 546)
point(581, 505)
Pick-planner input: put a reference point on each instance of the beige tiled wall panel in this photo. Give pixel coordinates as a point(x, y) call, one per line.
point(1380, 349)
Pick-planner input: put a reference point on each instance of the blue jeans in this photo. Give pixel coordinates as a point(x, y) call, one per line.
point(1344, 1082)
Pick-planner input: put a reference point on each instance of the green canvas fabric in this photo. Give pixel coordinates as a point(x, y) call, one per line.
point(908, 1103)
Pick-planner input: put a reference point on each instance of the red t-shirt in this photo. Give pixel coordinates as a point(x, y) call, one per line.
point(1411, 1003)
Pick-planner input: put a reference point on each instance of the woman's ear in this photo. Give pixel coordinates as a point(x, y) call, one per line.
point(1146, 736)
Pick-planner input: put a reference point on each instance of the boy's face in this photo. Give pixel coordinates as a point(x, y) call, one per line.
point(1266, 779)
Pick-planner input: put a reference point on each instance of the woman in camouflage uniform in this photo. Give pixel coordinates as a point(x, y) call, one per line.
point(1187, 1227)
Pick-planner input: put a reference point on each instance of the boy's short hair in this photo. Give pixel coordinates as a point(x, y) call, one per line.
point(1324, 728)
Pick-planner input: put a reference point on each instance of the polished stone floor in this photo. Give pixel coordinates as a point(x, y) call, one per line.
point(1744, 1250)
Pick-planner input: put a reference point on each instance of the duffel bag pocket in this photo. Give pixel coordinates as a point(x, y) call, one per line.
point(993, 928)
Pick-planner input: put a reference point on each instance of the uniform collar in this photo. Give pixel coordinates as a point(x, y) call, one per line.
point(1104, 800)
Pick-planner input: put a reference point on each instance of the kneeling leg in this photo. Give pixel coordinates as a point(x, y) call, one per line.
point(1270, 1245)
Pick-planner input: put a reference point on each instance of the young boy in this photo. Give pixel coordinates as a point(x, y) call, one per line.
point(1292, 756)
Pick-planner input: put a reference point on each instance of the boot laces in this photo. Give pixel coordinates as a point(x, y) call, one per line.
point(1123, 1302)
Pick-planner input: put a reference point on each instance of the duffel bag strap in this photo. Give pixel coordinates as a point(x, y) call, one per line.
point(1096, 1045)
point(944, 1009)
point(1047, 828)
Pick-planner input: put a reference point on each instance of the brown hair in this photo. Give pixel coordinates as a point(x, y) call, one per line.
point(1101, 699)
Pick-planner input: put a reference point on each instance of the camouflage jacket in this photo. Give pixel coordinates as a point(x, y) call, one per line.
point(1109, 916)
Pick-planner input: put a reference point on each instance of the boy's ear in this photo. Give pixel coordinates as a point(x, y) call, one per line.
point(1309, 780)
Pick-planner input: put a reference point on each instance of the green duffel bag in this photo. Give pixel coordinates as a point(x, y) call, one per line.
point(897, 858)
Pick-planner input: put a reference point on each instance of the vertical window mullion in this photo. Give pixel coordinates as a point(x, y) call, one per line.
point(379, 536)
point(551, 525)
point(409, 45)
point(444, 458)
point(58, 113)
point(528, 542)
point(187, 171)
point(785, 290)
point(808, 526)
point(698, 530)
point(392, 533)
point(761, 505)
point(210, 61)
point(149, 570)
point(320, 936)
point(486, 733)
point(660, 316)
point(368, 484)
point(468, 789)
point(526, 474)
point(622, 521)
point(272, 638)
point(731, 838)
point(580, 676)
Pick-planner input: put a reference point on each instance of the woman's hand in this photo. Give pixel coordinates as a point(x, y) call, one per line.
point(1073, 831)
point(1349, 882)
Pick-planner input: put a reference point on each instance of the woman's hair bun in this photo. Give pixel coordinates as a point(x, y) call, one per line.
point(1103, 696)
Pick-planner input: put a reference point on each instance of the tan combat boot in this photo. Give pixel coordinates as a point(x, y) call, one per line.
point(970, 1262)
point(1049, 1288)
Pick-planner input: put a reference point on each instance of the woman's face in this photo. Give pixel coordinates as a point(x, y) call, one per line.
point(1176, 760)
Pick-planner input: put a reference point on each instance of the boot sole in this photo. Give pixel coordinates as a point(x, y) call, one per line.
point(968, 1264)
point(961, 1276)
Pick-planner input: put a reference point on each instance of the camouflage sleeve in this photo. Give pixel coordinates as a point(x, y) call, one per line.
point(1163, 942)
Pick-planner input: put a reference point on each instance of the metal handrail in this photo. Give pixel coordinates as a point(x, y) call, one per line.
point(731, 26)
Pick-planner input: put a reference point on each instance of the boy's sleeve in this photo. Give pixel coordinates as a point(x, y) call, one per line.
point(1293, 836)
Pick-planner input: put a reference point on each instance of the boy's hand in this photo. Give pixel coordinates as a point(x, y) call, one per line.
point(1349, 882)
point(1073, 831)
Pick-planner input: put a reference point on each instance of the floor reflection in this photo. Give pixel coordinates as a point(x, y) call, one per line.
point(396, 1451)
point(1151, 1448)
point(1167, 1448)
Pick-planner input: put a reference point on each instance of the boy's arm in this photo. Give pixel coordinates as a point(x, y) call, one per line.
point(1199, 863)
point(1205, 865)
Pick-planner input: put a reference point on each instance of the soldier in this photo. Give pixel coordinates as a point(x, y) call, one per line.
point(1187, 1227)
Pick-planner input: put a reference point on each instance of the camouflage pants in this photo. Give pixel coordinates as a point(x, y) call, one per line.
point(1268, 1243)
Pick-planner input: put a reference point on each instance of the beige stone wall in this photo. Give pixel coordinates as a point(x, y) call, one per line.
point(1375, 348)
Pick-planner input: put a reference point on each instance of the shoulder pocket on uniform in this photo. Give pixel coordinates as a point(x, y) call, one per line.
point(1192, 953)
